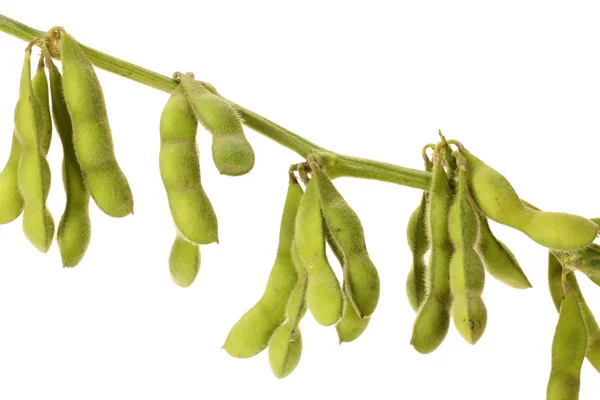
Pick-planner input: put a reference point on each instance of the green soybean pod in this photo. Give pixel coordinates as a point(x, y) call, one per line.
point(74, 229)
point(361, 276)
point(555, 270)
point(324, 295)
point(568, 351)
point(591, 325)
point(92, 135)
point(251, 334)
point(40, 89)
point(232, 153)
point(179, 162)
point(433, 318)
point(498, 260)
point(351, 325)
point(418, 243)
point(467, 274)
point(285, 345)
point(11, 201)
point(33, 171)
point(499, 201)
point(184, 261)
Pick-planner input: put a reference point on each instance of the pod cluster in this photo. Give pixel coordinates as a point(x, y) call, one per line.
point(450, 225)
point(74, 102)
point(193, 102)
point(302, 278)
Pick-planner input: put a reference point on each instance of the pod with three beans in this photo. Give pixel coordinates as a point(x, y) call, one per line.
point(467, 274)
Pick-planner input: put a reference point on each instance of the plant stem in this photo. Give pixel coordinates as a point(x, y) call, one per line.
point(337, 165)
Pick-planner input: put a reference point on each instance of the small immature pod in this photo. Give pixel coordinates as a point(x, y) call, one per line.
point(33, 170)
point(251, 334)
point(285, 345)
point(555, 271)
point(568, 351)
point(499, 201)
point(11, 201)
point(498, 260)
point(467, 274)
point(433, 319)
point(179, 161)
point(418, 242)
point(92, 135)
point(40, 89)
point(74, 229)
point(184, 261)
point(361, 278)
point(232, 153)
point(324, 295)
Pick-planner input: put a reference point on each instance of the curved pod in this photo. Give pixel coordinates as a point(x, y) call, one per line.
point(251, 334)
point(496, 197)
point(92, 135)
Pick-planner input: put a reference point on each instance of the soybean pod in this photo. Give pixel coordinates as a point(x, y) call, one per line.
point(179, 162)
point(555, 271)
point(184, 261)
point(499, 201)
point(433, 318)
point(231, 151)
point(418, 243)
point(251, 334)
point(467, 274)
point(324, 295)
point(498, 260)
point(361, 277)
point(74, 228)
point(568, 350)
point(92, 136)
point(40, 89)
point(11, 201)
point(285, 345)
point(33, 171)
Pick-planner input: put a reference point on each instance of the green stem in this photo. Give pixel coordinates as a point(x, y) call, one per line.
point(342, 165)
point(277, 133)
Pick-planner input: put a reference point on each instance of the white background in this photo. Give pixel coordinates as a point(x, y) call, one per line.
point(517, 83)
